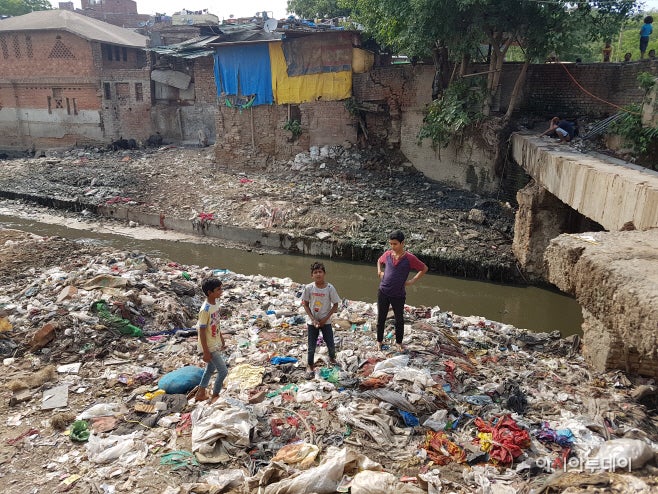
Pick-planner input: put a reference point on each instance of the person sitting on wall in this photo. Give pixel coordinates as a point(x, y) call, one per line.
point(652, 54)
point(562, 129)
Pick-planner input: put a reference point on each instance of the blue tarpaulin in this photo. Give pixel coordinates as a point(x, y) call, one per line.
point(244, 70)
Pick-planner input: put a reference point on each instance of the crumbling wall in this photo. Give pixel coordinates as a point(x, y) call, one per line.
point(252, 136)
point(614, 277)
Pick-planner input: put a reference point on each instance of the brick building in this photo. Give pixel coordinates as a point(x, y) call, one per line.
point(122, 13)
point(67, 80)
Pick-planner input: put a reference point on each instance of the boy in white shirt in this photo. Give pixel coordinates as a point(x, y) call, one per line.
point(211, 341)
point(320, 300)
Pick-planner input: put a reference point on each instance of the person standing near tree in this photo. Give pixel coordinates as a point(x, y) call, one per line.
point(607, 52)
point(397, 264)
point(645, 32)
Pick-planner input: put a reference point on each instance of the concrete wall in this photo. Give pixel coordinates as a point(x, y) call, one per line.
point(399, 96)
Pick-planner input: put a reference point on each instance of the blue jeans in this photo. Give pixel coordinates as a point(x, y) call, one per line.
point(216, 363)
point(327, 334)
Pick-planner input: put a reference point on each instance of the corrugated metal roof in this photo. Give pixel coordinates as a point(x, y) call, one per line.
point(65, 20)
point(191, 48)
point(172, 78)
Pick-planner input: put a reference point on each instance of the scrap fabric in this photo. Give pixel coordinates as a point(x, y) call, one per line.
point(244, 70)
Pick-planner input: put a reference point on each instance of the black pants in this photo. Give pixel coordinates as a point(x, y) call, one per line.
point(383, 303)
point(327, 334)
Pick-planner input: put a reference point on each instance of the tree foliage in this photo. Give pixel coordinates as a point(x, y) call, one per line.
point(311, 9)
point(20, 7)
point(465, 28)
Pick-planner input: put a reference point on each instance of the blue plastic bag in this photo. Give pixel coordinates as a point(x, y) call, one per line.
point(410, 419)
point(282, 360)
point(181, 380)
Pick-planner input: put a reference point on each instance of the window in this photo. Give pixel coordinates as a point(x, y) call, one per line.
point(117, 53)
point(3, 44)
point(17, 46)
point(123, 90)
point(124, 54)
point(107, 90)
point(71, 106)
point(139, 92)
point(28, 45)
point(60, 50)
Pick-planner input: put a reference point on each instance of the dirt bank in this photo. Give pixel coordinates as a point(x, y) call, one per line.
point(353, 197)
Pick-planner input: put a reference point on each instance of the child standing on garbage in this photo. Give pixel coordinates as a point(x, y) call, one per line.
point(320, 300)
point(210, 340)
point(397, 263)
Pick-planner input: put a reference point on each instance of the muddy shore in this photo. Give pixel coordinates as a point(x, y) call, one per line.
point(347, 199)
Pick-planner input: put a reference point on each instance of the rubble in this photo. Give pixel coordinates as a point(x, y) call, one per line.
point(329, 194)
point(471, 406)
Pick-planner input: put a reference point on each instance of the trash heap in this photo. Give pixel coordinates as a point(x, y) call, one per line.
point(471, 405)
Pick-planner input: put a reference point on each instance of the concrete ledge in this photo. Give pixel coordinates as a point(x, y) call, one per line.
point(614, 277)
point(608, 191)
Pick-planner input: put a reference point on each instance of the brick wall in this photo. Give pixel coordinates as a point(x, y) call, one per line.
point(52, 88)
point(549, 89)
point(204, 80)
point(114, 6)
point(121, 13)
point(34, 55)
point(323, 123)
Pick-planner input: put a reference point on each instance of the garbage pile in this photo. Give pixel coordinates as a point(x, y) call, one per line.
point(99, 355)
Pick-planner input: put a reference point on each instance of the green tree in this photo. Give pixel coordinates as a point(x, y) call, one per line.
point(20, 7)
point(455, 29)
point(311, 9)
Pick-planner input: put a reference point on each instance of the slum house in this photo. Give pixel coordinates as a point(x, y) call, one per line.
point(279, 97)
point(184, 97)
point(122, 13)
point(70, 80)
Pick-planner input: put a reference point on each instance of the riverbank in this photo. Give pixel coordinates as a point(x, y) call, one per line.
point(410, 422)
point(334, 202)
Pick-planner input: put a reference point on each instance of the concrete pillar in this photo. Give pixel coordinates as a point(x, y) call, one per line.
point(541, 217)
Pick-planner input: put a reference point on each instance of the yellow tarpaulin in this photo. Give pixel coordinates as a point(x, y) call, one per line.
point(329, 86)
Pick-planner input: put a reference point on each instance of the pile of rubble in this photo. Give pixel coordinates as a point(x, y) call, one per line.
point(472, 405)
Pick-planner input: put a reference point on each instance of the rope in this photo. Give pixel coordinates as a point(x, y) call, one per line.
point(593, 95)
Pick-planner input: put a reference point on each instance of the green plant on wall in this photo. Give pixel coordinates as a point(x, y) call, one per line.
point(448, 116)
point(629, 126)
point(294, 127)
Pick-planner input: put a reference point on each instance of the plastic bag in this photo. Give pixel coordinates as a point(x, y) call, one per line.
point(122, 325)
point(621, 454)
point(181, 380)
point(79, 431)
point(106, 450)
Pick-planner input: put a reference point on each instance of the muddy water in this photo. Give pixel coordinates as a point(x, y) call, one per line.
point(524, 307)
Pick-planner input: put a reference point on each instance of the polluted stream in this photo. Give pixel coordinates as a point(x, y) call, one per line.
point(526, 307)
